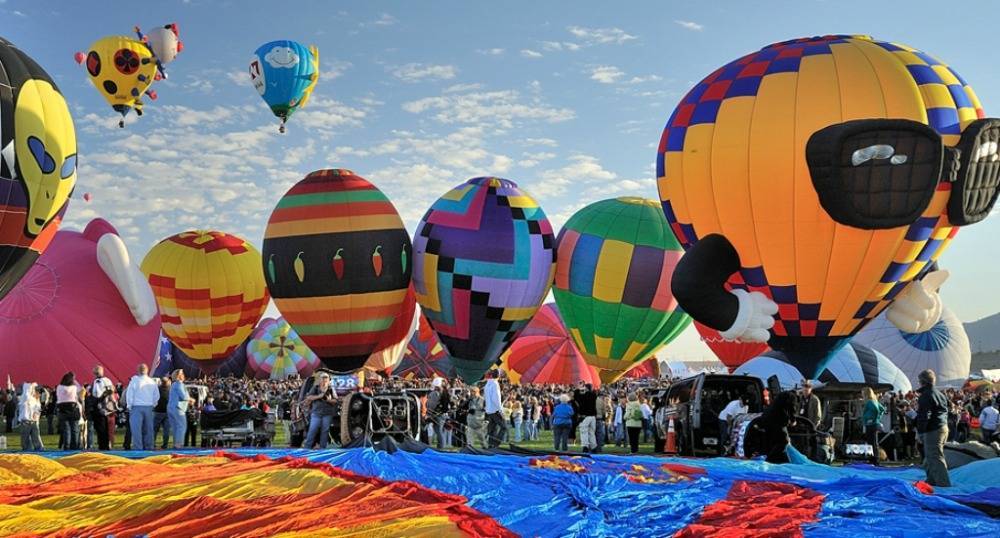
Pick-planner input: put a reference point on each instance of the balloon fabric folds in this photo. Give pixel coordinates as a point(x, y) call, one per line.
point(544, 353)
point(285, 73)
point(386, 360)
point(774, 172)
point(731, 353)
point(83, 303)
point(122, 69)
point(210, 291)
point(337, 263)
point(37, 162)
point(425, 357)
point(485, 257)
point(944, 348)
point(275, 351)
point(612, 283)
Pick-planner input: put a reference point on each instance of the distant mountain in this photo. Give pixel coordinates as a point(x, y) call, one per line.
point(984, 334)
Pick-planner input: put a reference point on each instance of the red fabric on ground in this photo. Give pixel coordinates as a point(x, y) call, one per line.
point(759, 510)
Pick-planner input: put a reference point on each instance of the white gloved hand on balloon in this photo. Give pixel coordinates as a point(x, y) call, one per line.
point(918, 307)
point(754, 318)
point(112, 256)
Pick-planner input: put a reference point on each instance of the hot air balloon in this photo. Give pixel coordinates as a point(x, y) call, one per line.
point(484, 263)
point(944, 348)
point(210, 290)
point(386, 360)
point(810, 182)
point(275, 351)
point(82, 303)
point(613, 283)
point(87, 197)
point(285, 73)
point(171, 358)
point(425, 357)
point(165, 44)
point(732, 353)
point(37, 162)
point(852, 363)
point(647, 369)
point(336, 261)
point(122, 69)
point(544, 353)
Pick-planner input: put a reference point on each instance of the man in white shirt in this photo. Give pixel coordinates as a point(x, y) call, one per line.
point(989, 419)
point(141, 396)
point(100, 389)
point(733, 408)
point(647, 419)
point(494, 418)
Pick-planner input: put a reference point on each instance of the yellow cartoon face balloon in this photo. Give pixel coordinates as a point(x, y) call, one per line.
point(37, 162)
point(825, 173)
point(122, 69)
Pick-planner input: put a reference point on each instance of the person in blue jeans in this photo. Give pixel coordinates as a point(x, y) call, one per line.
point(562, 423)
point(177, 406)
point(322, 400)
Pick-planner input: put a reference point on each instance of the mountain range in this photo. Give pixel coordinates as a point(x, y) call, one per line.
point(984, 334)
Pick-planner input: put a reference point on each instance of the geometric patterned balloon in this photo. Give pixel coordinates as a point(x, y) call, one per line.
point(485, 257)
point(275, 351)
point(210, 291)
point(616, 258)
point(337, 263)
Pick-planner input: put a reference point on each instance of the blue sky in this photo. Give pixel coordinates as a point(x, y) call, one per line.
point(566, 98)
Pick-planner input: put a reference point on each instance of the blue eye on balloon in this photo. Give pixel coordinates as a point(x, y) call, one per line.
point(44, 160)
point(68, 167)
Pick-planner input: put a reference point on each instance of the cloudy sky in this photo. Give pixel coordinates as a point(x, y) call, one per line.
point(566, 98)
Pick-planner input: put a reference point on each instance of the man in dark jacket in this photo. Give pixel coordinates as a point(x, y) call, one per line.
point(932, 428)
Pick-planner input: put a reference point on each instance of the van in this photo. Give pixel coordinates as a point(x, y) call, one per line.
point(694, 405)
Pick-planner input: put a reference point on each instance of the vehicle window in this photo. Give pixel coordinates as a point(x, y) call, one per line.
point(680, 392)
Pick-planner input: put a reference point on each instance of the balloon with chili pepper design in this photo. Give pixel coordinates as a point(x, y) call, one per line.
point(336, 249)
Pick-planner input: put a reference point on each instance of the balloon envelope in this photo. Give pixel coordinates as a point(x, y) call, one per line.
point(67, 315)
point(284, 73)
point(387, 359)
point(172, 358)
point(337, 262)
point(731, 353)
point(34, 192)
point(544, 353)
point(484, 262)
point(853, 363)
point(425, 357)
point(210, 291)
point(612, 283)
point(275, 351)
point(944, 348)
point(121, 69)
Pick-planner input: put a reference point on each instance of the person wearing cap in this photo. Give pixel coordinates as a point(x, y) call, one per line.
point(811, 406)
point(932, 428)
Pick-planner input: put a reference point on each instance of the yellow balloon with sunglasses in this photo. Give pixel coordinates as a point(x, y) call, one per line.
point(813, 181)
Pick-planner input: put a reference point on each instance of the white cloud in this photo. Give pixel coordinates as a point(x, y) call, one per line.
point(415, 72)
point(491, 52)
point(528, 53)
point(547, 142)
point(240, 78)
point(606, 74)
point(497, 108)
point(334, 69)
point(326, 116)
point(561, 45)
point(689, 25)
point(18, 13)
point(601, 36)
point(462, 88)
point(579, 172)
point(384, 19)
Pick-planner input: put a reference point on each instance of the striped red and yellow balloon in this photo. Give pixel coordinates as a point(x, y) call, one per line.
point(337, 262)
point(210, 291)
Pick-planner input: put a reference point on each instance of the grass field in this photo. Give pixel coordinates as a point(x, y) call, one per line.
point(544, 442)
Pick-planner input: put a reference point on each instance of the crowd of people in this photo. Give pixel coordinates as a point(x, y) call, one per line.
point(89, 414)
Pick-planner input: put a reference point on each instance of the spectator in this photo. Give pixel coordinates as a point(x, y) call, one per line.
point(586, 405)
point(732, 410)
point(811, 408)
point(177, 407)
point(160, 417)
point(871, 420)
point(475, 419)
point(322, 400)
point(29, 413)
point(562, 421)
point(989, 418)
point(603, 407)
point(69, 411)
point(101, 390)
point(517, 420)
point(633, 422)
point(141, 396)
point(932, 427)
point(495, 429)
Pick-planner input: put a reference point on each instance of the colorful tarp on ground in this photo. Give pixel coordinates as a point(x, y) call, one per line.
point(526, 495)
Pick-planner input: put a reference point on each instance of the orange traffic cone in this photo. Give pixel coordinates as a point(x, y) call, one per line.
point(670, 445)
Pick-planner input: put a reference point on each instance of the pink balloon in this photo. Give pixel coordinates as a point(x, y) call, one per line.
point(79, 57)
point(66, 315)
point(87, 197)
